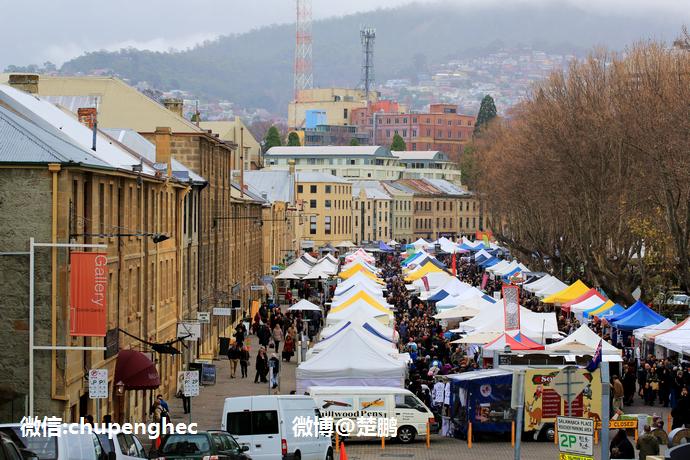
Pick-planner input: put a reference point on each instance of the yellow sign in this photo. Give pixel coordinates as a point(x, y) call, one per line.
point(567, 456)
point(619, 424)
point(543, 404)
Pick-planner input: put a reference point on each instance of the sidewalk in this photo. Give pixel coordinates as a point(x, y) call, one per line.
point(208, 406)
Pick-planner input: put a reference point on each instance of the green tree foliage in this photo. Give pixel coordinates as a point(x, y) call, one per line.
point(293, 139)
point(354, 142)
point(468, 167)
point(272, 138)
point(398, 144)
point(487, 112)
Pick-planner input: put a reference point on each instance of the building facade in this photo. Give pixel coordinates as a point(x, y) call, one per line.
point(371, 208)
point(442, 128)
point(58, 190)
point(325, 202)
point(429, 165)
point(337, 103)
point(401, 213)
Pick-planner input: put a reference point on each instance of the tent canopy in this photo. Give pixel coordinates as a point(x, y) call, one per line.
point(648, 332)
point(591, 298)
point(516, 342)
point(641, 317)
point(304, 305)
point(583, 336)
point(677, 338)
point(573, 291)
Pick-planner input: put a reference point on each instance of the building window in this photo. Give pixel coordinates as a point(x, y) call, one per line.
point(312, 188)
point(467, 222)
point(450, 123)
point(327, 204)
point(428, 131)
point(444, 205)
point(414, 119)
point(451, 207)
point(439, 121)
point(438, 224)
point(327, 225)
point(352, 162)
point(404, 133)
point(444, 222)
point(368, 205)
point(300, 189)
point(328, 189)
point(312, 225)
point(451, 223)
point(414, 146)
point(345, 114)
point(356, 221)
point(312, 204)
point(474, 222)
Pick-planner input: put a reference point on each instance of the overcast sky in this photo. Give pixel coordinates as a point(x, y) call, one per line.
point(58, 30)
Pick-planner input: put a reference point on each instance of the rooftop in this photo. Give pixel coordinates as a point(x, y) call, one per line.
point(373, 190)
point(422, 155)
point(308, 176)
point(277, 185)
point(344, 151)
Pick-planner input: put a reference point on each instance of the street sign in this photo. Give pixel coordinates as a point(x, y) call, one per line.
point(190, 382)
point(619, 424)
point(575, 435)
point(203, 317)
point(98, 384)
point(256, 287)
point(220, 311)
point(569, 383)
point(567, 456)
point(191, 330)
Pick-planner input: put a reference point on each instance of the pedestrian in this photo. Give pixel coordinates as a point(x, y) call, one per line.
point(261, 366)
point(240, 334)
point(89, 419)
point(234, 357)
point(621, 447)
point(647, 444)
point(681, 413)
point(288, 348)
point(277, 336)
point(618, 393)
point(186, 400)
point(264, 335)
point(244, 361)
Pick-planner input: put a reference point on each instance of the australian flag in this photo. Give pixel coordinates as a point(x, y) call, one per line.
point(596, 359)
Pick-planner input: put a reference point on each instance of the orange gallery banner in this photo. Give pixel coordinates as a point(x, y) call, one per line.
point(88, 294)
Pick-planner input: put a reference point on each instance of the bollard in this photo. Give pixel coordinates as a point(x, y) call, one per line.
point(469, 435)
point(668, 423)
point(555, 433)
point(428, 435)
point(635, 434)
point(337, 442)
point(512, 433)
point(383, 442)
point(596, 437)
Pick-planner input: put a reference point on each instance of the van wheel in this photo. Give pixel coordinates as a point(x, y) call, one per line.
point(329, 454)
point(406, 434)
point(297, 456)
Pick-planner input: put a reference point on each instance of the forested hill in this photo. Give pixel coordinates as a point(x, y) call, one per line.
point(255, 69)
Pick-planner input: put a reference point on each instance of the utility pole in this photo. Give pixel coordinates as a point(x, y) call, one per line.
point(303, 76)
point(368, 37)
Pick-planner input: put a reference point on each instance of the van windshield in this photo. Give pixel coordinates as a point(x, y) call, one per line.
point(249, 423)
point(409, 402)
point(45, 447)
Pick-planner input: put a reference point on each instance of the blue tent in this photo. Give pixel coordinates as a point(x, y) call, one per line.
point(475, 396)
point(440, 295)
point(613, 311)
point(489, 298)
point(373, 330)
point(507, 276)
point(412, 258)
point(489, 262)
point(644, 316)
point(481, 258)
point(631, 310)
point(384, 247)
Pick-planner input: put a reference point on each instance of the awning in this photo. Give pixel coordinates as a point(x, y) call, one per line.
point(136, 371)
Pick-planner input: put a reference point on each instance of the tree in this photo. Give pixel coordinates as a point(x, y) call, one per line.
point(487, 112)
point(398, 144)
point(293, 139)
point(272, 138)
point(468, 167)
point(354, 142)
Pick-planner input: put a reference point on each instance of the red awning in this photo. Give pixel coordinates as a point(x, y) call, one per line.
point(136, 371)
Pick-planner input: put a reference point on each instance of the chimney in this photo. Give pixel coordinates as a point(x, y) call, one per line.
point(24, 82)
point(163, 155)
point(293, 177)
point(88, 116)
point(174, 105)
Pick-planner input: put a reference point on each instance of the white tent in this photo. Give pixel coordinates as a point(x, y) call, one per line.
point(359, 280)
point(534, 286)
point(477, 303)
point(357, 307)
point(339, 300)
point(554, 285)
point(369, 335)
point(536, 326)
point(454, 300)
point(452, 286)
point(360, 365)
point(498, 266)
point(392, 243)
point(676, 338)
point(483, 253)
point(362, 317)
point(648, 332)
point(457, 312)
point(309, 258)
point(511, 267)
point(584, 339)
point(304, 305)
point(345, 244)
point(420, 243)
point(435, 280)
point(297, 269)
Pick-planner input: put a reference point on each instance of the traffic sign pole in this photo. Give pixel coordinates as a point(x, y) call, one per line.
point(520, 413)
point(605, 391)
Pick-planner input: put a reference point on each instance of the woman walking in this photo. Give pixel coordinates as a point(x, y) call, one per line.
point(261, 366)
point(244, 361)
point(277, 336)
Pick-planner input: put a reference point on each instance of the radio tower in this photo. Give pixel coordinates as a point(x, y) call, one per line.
point(368, 36)
point(304, 79)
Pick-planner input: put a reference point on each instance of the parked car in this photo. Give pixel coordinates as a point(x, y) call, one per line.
point(122, 447)
point(11, 451)
point(204, 445)
point(264, 425)
point(67, 446)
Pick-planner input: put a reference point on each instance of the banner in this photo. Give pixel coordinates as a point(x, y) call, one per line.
point(425, 280)
point(88, 289)
point(511, 304)
point(454, 266)
point(485, 279)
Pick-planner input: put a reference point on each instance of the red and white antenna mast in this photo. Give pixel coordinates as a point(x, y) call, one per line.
point(304, 79)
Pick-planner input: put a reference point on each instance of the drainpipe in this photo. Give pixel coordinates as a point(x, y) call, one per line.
point(55, 170)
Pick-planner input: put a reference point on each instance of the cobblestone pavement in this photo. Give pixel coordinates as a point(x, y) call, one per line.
point(207, 410)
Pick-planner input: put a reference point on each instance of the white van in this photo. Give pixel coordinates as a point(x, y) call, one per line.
point(411, 415)
point(67, 446)
point(265, 424)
